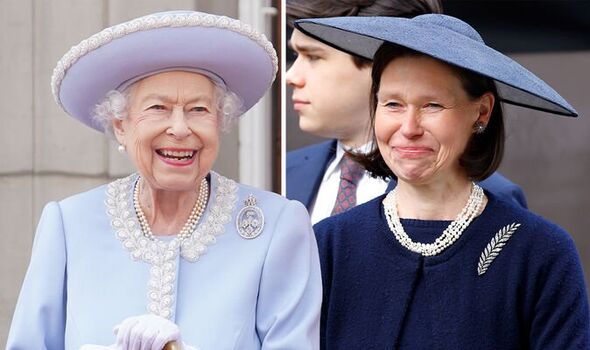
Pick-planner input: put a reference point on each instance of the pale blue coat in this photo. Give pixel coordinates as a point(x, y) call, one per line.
point(261, 293)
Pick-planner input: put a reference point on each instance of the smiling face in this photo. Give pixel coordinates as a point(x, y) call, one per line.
point(424, 119)
point(172, 129)
point(330, 93)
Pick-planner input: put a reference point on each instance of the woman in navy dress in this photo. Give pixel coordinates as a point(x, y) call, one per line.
point(438, 263)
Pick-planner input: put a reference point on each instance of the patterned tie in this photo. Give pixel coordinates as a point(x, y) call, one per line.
point(350, 174)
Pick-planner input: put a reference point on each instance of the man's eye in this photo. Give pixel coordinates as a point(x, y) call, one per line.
point(313, 57)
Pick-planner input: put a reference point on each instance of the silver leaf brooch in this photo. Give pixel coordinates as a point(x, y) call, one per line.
point(495, 247)
point(250, 220)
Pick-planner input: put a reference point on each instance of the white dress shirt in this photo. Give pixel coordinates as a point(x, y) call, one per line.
point(367, 188)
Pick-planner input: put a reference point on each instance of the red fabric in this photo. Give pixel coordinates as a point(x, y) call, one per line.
point(350, 174)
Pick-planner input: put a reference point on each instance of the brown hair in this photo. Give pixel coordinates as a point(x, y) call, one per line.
point(484, 151)
point(298, 9)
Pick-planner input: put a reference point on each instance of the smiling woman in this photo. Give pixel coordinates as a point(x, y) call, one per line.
point(424, 119)
point(438, 255)
point(175, 252)
point(172, 129)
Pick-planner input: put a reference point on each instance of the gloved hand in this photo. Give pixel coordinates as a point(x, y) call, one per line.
point(183, 346)
point(113, 347)
point(145, 332)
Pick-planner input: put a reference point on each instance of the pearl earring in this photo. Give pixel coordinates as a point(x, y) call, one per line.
point(121, 148)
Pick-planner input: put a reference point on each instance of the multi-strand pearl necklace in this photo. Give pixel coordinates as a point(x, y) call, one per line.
point(190, 225)
point(449, 236)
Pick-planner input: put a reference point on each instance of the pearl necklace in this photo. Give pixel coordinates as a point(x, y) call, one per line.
point(190, 225)
point(449, 236)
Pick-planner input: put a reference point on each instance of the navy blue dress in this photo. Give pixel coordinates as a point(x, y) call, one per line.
point(379, 295)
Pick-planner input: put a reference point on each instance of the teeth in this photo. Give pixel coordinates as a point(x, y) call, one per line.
point(178, 154)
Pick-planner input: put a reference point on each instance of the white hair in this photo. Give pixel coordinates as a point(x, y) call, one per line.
point(114, 106)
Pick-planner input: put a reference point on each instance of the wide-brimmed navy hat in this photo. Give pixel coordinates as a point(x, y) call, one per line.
point(447, 39)
point(226, 50)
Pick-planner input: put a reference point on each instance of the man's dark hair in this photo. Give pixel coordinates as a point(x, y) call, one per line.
point(298, 9)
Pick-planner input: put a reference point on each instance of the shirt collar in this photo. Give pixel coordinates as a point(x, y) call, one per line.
point(333, 168)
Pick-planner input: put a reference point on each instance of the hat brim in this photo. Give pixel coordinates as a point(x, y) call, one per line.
point(362, 36)
point(243, 64)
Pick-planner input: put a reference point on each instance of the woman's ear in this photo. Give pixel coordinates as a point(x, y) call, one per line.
point(486, 106)
point(119, 130)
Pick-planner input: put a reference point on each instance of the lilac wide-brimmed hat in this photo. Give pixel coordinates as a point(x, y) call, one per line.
point(225, 49)
point(447, 39)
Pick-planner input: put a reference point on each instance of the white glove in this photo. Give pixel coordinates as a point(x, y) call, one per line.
point(146, 332)
point(113, 347)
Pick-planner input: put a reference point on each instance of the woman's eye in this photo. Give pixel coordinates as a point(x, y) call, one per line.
point(156, 107)
point(392, 104)
point(199, 109)
point(433, 105)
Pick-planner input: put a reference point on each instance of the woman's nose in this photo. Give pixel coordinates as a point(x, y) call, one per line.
point(411, 125)
point(178, 125)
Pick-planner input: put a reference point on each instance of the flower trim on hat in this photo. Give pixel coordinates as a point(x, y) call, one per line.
point(193, 19)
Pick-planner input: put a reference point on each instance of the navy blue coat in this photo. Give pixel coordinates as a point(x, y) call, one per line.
point(306, 167)
point(379, 295)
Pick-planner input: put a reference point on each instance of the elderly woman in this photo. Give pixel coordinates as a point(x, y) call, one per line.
point(438, 263)
point(175, 252)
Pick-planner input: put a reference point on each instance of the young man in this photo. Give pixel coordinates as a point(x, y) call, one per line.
point(331, 96)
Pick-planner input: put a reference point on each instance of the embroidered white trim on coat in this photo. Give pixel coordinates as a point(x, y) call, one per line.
point(214, 223)
point(495, 247)
point(162, 255)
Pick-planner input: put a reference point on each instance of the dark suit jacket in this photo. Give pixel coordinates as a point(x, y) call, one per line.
point(306, 167)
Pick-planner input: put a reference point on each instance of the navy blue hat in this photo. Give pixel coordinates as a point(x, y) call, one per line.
point(445, 38)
